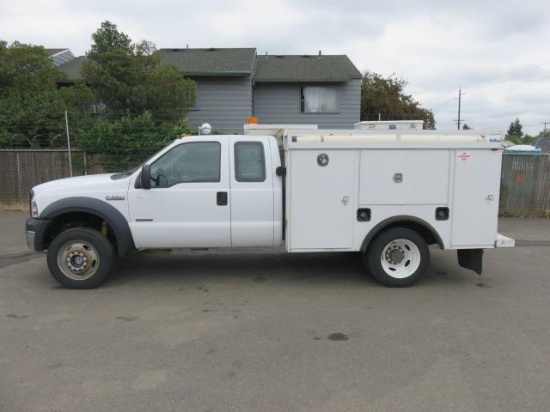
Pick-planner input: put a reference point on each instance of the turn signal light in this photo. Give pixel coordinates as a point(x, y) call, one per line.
point(34, 209)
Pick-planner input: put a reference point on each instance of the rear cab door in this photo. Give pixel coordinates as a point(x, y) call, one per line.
point(252, 193)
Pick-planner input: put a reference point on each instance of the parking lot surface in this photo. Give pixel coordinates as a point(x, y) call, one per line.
point(268, 331)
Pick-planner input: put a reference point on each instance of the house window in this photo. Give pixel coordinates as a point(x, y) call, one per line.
point(249, 162)
point(319, 99)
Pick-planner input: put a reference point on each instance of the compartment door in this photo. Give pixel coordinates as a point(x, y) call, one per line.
point(476, 198)
point(322, 200)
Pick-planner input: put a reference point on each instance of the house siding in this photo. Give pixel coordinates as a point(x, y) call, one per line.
point(224, 102)
point(280, 103)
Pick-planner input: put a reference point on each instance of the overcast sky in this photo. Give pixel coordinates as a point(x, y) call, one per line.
point(497, 51)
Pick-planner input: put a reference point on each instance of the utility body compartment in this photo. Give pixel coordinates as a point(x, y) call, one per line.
point(450, 184)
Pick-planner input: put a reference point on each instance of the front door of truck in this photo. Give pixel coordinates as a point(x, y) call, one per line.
point(187, 205)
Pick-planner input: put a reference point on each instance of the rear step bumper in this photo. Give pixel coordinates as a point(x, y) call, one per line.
point(503, 241)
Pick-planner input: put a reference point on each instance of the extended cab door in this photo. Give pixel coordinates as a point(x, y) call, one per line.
point(252, 192)
point(188, 203)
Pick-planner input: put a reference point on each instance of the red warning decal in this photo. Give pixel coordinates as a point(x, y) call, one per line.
point(464, 156)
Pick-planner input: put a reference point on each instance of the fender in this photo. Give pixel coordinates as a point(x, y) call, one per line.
point(105, 211)
point(394, 221)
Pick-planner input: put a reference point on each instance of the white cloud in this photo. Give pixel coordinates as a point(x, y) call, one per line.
point(497, 52)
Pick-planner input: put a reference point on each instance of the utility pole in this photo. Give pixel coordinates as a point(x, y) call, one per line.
point(459, 104)
point(459, 120)
point(68, 144)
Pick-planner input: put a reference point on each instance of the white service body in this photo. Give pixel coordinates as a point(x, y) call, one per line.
point(437, 171)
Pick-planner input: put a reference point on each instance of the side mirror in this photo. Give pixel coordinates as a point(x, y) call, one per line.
point(145, 177)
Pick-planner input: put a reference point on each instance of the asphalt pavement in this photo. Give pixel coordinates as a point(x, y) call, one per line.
point(268, 331)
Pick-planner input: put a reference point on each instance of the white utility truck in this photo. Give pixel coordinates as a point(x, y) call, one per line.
point(386, 195)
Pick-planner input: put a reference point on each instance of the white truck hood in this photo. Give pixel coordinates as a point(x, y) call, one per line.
point(99, 186)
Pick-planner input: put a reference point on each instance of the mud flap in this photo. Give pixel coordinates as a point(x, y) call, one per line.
point(471, 259)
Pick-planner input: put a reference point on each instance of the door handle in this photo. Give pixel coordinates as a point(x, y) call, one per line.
point(221, 198)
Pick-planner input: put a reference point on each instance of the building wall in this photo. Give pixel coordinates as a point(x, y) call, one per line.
point(224, 102)
point(280, 103)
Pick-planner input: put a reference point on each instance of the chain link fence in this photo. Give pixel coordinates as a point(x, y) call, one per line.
point(525, 185)
point(525, 182)
point(20, 170)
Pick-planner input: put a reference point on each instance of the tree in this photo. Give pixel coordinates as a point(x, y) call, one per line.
point(31, 106)
point(128, 78)
point(128, 141)
point(385, 98)
point(107, 40)
point(24, 67)
point(515, 132)
point(466, 127)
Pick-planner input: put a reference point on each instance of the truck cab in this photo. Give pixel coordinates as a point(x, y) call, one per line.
point(208, 192)
point(198, 192)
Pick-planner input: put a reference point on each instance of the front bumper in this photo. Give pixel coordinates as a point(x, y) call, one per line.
point(29, 236)
point(35, 233)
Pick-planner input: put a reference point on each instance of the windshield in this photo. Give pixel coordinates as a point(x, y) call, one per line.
point(124, 174)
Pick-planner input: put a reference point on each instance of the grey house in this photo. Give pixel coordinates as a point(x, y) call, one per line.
point(234, 84)
point(72, 69)
point(224, 84)
point(322, 90)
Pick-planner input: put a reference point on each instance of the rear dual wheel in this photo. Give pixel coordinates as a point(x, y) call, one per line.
point(397, 257)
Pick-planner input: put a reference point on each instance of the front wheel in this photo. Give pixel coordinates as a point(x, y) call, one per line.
point(398, 257)
point(80, 258)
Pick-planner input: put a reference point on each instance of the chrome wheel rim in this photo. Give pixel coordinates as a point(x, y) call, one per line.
point(78, 260)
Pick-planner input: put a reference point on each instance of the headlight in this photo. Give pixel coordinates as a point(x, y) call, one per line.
point(32, 205)
point(34, 209)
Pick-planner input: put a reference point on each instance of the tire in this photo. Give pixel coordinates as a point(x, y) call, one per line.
point(398, 257)
point(80, 258)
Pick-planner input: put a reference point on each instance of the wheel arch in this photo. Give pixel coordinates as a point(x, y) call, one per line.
point(423, 228)
point(71, 208)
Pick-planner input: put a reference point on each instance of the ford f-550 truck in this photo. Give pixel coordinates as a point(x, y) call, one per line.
point(386, 195)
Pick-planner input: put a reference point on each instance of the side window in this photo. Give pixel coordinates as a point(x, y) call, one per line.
point(187, 163)
point(249, 162)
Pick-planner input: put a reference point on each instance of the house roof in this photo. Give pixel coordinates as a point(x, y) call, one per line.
point(60, 56)
point(53, 52)
point(211, 62)
point(73, 69)
point(244, 62)
point(285, 68)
